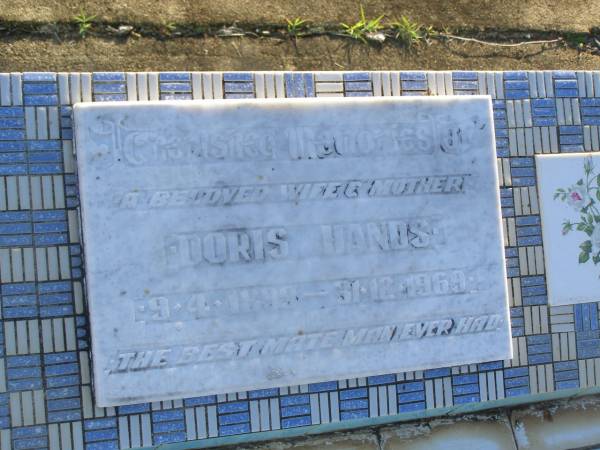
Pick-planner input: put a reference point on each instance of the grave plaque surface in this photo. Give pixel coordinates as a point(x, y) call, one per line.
point(236, 245)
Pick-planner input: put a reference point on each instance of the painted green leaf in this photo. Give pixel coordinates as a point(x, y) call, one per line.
point(586, 246)
point(584, 257)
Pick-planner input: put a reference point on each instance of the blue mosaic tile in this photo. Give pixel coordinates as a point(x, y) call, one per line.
point(81, 332)
point(323, 387)
point(108, 76)
point(492, 365)
point(138, 408)
point(109, 88)
point(235, 417)
point(12, 135)
point(239, 95)
point(174, 76)
point(565, 84)
point(359, 94)
point(533, 291)
point(461, 85)
point(239, 87)
point(40, 100)
point(110, 97)
point(512, 261)
point(539, 349)
point(570, 138)
point(23, 373)
point(177, 87)
point(411, 396)
point(586, 317)
point(588, 344)
point(358, 86)
point(299, 85)
point(45, 88)
point(413, 83)
point(516, 381)
point(39, 76)
point(359, 76)
point(566, 375)
point(500, 127)
point(435, 373)
point(465, 388)
point(381, 379)
point(354, 404)
point(517, 321)
point(465, 82)
point(101, 433)
point(510, 75)
point(529, 231)
point(32, 437)
point(238, 76)
point(464, 75)
point(4, 411)
point(507, 202)
point(169, 426)
point(176, 96)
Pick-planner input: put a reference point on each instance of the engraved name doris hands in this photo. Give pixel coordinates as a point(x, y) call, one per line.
point(267, 244)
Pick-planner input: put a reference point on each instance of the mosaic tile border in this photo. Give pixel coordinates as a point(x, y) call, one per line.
point(45, 386)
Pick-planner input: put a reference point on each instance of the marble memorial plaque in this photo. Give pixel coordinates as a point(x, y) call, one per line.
point(569, 190)
point(244, 244)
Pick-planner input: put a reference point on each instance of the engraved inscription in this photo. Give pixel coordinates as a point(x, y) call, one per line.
point(294, 192)
point(354, 141)
point(135, 144)
point(270, 244)
point(228, 246)
point(180, 307)
point(381, 236)
point(388, 187)
point(127, 361)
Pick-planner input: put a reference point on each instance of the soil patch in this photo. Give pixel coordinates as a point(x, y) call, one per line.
point(318, 53)
point(564, 15)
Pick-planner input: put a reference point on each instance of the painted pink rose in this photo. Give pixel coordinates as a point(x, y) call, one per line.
point(577, 197)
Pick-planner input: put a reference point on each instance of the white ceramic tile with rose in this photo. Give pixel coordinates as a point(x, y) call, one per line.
point(569, 188)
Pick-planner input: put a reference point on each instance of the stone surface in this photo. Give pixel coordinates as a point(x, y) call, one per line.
point(571, 424)
point(569, 189)
point(479, 432)
point(360, 440)
point(236, 245)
